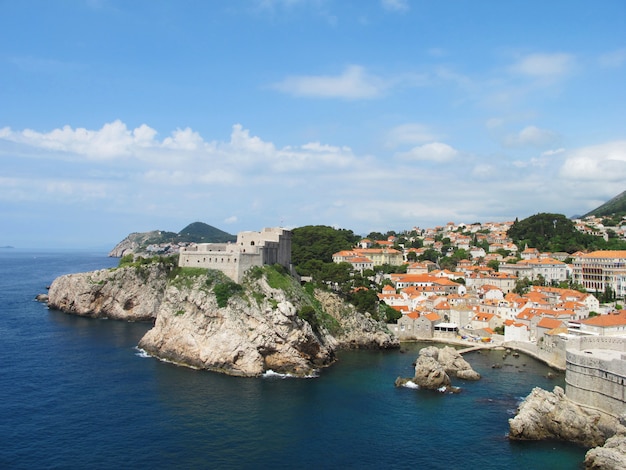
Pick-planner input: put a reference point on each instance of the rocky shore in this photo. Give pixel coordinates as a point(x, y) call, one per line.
point(203, 320)
point(551, 415)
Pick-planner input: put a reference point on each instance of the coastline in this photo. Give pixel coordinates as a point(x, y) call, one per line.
point(472, 346)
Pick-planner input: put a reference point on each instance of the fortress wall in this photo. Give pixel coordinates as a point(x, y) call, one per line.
point(596, 373)
point(270, 246)
point(225, 261)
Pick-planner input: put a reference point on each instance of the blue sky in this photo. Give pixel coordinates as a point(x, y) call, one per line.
point(369, 115)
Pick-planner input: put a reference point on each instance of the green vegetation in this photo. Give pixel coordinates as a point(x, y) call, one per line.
point(615, 208)
point(549, 232)
point(200, 232)
point(318, 243)
point(225, 290)
point(555, 232)
point(277, 277)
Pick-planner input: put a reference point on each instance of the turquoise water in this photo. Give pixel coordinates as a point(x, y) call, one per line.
point(76, 393)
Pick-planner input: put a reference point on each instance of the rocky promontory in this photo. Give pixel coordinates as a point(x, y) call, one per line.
point(131, 293)
point(204, 320)
point(551, 415)
point(435, 366)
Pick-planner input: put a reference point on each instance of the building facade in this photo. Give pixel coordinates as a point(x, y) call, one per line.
point(599, 270)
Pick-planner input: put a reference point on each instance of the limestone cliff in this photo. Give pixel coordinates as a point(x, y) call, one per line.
point(357, 330)
point(129, 293)
point(204, 320)
point(255, 330)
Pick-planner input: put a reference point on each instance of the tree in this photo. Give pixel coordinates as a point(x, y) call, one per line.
point(319, 242)
point(494, 264)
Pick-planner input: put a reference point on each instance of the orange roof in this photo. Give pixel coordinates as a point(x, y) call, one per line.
point(615, 319)
point(549, 323)
point(606, 254)
point(414, 315)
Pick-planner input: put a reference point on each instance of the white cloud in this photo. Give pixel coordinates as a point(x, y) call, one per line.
point(435, 151)
point(410, 133)
point(603, 162)
point(395, 5)
point(183, 139)
point(230, 220)
point(613, 59)
point(354, 83)
point(113, 140)
point(549, 153)
point(531, 136)
point(483, 170)
point(544, 66)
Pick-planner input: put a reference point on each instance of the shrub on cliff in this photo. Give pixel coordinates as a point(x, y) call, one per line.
point(225, 290)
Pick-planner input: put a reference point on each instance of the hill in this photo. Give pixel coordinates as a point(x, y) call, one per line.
point(616, 206)
point(199, 232)
point(162, 242)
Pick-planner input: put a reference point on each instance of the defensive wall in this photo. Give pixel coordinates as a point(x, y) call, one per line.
point(269, 246)
point(595, 373)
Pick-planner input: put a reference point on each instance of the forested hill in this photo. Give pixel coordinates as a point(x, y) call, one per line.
point(556, 233)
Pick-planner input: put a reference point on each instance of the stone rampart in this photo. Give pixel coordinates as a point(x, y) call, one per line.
point(596, 373)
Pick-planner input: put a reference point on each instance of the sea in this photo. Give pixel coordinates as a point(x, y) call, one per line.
point(77, 393)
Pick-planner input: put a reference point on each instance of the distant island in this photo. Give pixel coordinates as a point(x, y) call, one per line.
point(7, 247)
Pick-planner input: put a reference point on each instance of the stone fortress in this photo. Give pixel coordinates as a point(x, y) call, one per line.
point(596, 373)
point(269, 246)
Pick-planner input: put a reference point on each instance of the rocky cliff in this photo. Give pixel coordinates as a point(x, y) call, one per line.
point(551, 415)
point(204, 320)
point(135, 243)
point(129, 293)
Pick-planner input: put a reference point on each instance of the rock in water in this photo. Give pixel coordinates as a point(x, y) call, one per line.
point(551, 415)
point(455, 365)
point(611, 456)
point(430, 374)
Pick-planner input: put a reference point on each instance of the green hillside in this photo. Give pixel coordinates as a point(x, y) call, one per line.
point(616, 206)
point(199, 232)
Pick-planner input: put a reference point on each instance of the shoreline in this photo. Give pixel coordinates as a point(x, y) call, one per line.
point(472, 346)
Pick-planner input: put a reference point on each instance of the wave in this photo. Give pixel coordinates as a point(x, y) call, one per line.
point(141, 352)
point(411, 384)
point(270, 374)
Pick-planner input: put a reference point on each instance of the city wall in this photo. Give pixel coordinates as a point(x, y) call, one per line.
point(596, 373)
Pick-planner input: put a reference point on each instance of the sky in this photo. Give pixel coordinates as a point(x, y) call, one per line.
point(367, 115)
